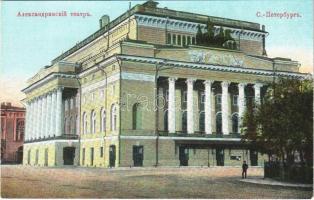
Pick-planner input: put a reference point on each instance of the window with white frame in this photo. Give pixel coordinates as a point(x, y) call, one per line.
point(84, 123)
point(93, 122)
point(103, 120)
point(113, 117)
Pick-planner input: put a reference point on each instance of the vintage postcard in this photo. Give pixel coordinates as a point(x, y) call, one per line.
point(157, 99)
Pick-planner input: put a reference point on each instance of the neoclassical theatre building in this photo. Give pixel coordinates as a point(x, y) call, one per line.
point(141, 91)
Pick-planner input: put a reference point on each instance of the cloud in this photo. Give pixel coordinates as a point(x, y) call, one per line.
point(302, 55)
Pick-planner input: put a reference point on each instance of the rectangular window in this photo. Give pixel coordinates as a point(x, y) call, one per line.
point(189, 40)
point(183, 40)
point(174, 39)
point(101, 152)
point(235, 100)
point(179, 40)
point(168, 38)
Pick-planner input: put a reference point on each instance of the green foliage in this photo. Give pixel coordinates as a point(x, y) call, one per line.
point(199, 35)
point(283, 124)
point(222, 39)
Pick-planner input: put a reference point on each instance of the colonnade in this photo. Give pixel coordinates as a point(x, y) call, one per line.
point(44, 116)
point(208, 103)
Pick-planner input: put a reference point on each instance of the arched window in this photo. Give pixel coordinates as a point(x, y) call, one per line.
point(69, 127)
point(218, 123)
point(235, 123)
point(184, 121)
point(84, 123)
point(103, 120)
point(166, 120)
point(93, 122)
point(137, 116)
point(113, 117)
point(76, 125)
point(65, 130)
point(72, 122)
point(202, 121)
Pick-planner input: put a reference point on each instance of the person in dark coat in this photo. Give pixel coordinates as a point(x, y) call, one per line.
point(244, 169)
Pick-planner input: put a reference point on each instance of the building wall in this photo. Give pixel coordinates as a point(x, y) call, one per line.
point(12, 132)
point(54, 151)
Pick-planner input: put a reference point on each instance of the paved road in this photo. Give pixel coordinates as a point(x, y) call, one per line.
point(31, 182)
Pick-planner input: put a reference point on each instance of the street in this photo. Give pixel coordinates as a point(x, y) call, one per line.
point(19, 181)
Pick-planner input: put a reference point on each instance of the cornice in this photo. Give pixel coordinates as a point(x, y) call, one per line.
point(47, 79)
point(191, 27)
point(211, 67)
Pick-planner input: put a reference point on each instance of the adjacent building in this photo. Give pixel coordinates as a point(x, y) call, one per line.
point(12, 133)
point(142, 91)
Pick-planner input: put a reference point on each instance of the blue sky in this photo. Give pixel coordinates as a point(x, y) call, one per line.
point(29, 43)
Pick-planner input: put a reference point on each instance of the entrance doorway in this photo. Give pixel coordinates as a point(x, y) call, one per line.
point(253, 158)
point(68, 155)
point(184, 156)
point(19, 155)
point(46, 157)
point(138, 155)
point(112, 156)
point(220, 157)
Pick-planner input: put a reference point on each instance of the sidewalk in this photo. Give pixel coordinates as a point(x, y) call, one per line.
point(268, 181)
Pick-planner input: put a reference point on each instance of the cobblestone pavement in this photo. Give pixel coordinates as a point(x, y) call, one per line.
point(75, 182)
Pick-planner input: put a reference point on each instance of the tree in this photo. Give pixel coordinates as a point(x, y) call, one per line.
point(199, 35)
point(283, 123)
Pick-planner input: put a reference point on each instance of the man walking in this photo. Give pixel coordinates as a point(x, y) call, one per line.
point(244, 169)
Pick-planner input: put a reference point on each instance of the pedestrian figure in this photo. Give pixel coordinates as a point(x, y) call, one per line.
point(244, 169)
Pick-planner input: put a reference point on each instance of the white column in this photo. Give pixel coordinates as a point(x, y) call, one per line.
point(208, 110)
point(257, 92)
point(40, 119)
point(225, 107)
point(53, 114)
point(190, 105)
point(48, 115)
point(241, 102)
point(43, 117)
point(171, 106)
point(59, 113)
point(36, 118)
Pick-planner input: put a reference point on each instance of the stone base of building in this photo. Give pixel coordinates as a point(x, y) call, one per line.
point(186, 153)
point(140, 151)
point(51, 153)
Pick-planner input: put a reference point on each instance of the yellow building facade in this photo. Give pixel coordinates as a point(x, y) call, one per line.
point(141, 91)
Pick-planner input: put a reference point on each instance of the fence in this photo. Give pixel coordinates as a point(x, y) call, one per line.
point(294, 172)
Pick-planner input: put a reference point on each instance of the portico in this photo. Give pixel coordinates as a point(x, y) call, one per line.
point(44, 114)
point(209, 102)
